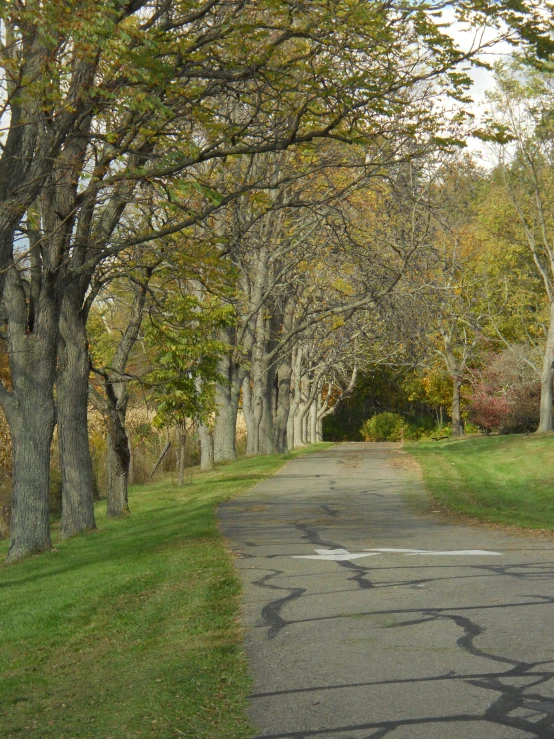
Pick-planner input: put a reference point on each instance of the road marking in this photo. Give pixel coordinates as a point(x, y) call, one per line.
point(337, 555)
point(343, 555)
point(432, 553)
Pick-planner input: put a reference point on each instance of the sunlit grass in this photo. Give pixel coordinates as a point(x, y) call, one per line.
point(501, 479)
point(132, 630)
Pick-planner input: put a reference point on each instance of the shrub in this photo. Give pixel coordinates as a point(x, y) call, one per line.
point(383, 427)
point(488, 411)
point(524, 413)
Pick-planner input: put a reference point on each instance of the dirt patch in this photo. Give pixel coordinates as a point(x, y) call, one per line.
point(403, 461)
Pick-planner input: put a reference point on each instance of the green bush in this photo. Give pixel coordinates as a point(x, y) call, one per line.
point(388, 426)
point(383, 427)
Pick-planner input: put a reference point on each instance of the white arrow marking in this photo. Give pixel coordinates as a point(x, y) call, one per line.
point(337, 555)
point(416, 552)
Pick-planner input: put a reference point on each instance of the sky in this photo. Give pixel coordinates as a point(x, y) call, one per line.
point(483, 79)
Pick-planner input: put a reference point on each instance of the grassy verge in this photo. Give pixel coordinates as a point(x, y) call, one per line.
point(131, 631)
point(505, 480)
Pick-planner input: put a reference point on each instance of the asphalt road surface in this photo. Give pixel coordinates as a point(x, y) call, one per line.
point(349, 637)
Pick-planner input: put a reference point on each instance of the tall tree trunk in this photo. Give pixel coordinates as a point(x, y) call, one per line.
point(547, 375)
point(313, 422)
point(294, 434)
point(113, 407)
point(206, 448)
point(282, 413)
point(456, 368)
point(30, 412)
point(182, 446)
point(263, 417)
point(227, 396)
point(72, 395)
point(258, 373)
point(131, 462)
point(206, 439)
point(456, 409)
point(290, 426)
point(301, 425)
point(305, 425)
point(31, 434)
point(117, 464)
point(251, 435)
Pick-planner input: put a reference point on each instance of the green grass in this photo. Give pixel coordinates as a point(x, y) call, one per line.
point(131, 631)
point(505, 480)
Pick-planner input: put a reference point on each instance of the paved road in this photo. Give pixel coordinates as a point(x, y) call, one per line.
point(405, 645)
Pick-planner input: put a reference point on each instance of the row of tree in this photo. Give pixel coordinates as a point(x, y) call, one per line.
point(257, 174)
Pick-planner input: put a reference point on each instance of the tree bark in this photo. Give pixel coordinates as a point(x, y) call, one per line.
point(456, 368)
point(206, 448)
point(282, 413)
point(117, 468)
point(313, 422)
point(113, 407)
point(72, 396)
point(293, 432)
point(263, 409)
point(227, 403)
point(251, 436)
point(31, 442)
point(131, 463)
point(30, 412)
point(547, 376)
point(182, 446)
point(301, 424)
point(456, 409)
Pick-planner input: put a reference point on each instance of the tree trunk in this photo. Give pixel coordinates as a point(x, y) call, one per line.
point(290, 429)
point(258, 399)
point(72, 395)
point(282, 412)
point(295, 394)
point(227, 402)
point(319, 432)
point(297, 427)
point(182, 446)
point(30, 412)
point(117, 461)
point(206, 448)
point(305, 428)
point(313, 422)
point(131, 462)
point(265, 411)
point(251, 435)
point(31, 441)
point(301, 425)
point(547, 375)
point(113, 408)
point(456, 411)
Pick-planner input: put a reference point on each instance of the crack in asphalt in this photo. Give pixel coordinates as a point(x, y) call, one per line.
point(271, 612)
point(500, 712)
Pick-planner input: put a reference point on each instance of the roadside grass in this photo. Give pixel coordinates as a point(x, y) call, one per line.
point(506, 480)
point(131, 631)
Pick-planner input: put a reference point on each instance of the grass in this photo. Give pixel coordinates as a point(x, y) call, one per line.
point(131, 631)
point(506, 480)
